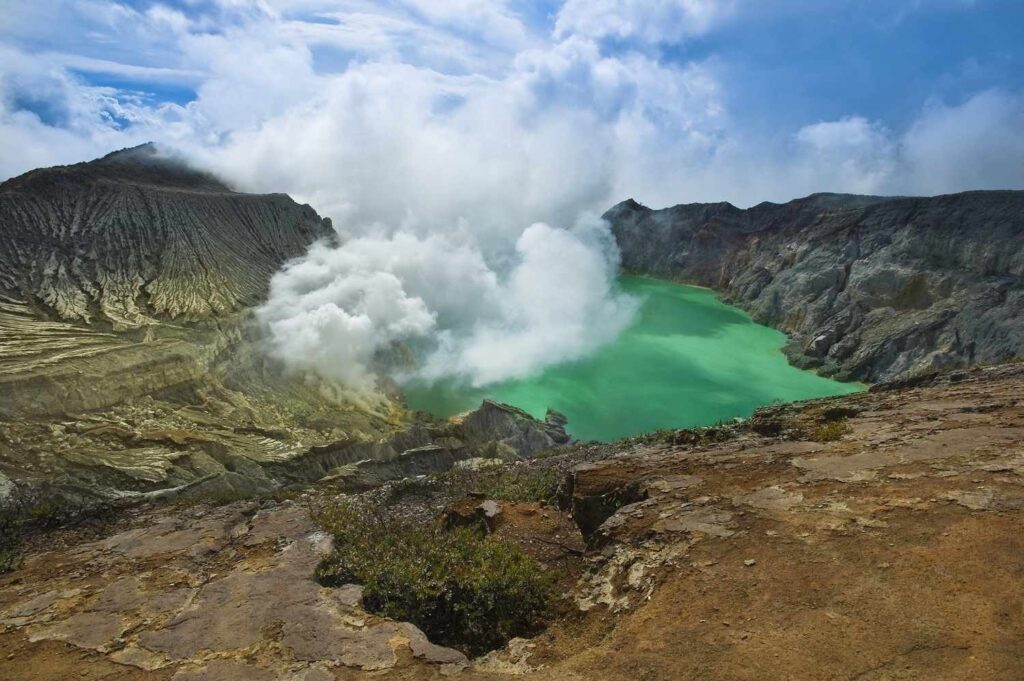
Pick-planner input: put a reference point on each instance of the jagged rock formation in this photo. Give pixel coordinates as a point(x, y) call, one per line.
point(868, 288)
point(514, 429)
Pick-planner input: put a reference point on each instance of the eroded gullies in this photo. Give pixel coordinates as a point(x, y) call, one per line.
point(688, 360)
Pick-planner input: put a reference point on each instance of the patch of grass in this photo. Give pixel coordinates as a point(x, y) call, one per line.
point(462, 590)
point(223, 497)
point(516, 483)
point(692, 437)
point(10, 541)
point(10, 558)
point(831, 431)
point(839, 413)
point(503, 483)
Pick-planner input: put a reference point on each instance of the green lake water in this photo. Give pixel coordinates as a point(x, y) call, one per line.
point(687, 360)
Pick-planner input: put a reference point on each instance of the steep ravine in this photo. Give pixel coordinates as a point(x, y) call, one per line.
point(867, 288)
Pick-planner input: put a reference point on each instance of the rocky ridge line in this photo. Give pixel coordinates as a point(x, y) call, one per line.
point(868, 288)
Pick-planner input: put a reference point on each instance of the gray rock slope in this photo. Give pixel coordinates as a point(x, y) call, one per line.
point(868, 288)
point(136, 235)
point(130, 275)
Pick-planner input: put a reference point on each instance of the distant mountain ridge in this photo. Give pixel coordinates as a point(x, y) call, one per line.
point(868, 288)
point(137, 234)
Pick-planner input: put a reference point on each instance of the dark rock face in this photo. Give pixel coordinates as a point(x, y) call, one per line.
point(514, 428)
point(136, 235)
point(868, 288)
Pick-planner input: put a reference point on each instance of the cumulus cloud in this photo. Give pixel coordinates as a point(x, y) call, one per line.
point(647, 20)
point(978, 144)
point(852, 153)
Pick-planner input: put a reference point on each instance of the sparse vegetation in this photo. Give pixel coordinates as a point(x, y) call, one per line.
point(839, 413)
point(831, 431)
point(31, 512)
point(223, 497)
point(693, 437)
point(461, 589)
point(10, 548)
point(500, 482)
point(515, 483)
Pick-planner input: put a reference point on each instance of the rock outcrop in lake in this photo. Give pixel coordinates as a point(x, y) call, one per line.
point(868, 288)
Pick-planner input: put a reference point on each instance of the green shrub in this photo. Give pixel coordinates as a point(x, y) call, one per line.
point(516, 483)
point(839, 413)
point(10, 556)
point(692, 437)
point(831, 431)
point(10, 543)
point(462, 590)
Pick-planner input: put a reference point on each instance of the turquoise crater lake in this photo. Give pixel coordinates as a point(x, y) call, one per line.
point(687, 360)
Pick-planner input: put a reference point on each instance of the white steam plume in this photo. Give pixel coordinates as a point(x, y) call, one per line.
point(334, 310)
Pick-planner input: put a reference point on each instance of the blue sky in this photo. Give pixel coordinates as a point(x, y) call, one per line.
point(664, 100)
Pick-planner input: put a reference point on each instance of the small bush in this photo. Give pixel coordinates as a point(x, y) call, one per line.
point(689, 437)
point(462, 590)
point(839, 413)
point(10, 549)
point(517, 483)
point(831, 431)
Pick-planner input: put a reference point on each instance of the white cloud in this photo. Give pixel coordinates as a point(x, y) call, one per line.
point(852, 153)
point(978, 144)
point(646, 20)
point(334, 311)
point(253, 75)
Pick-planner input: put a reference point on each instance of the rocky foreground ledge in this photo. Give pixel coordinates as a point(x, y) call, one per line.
point(874, 536)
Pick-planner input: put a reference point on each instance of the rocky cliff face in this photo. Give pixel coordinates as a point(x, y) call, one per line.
point(868, 288)
point(136, 236)
point(129, 275)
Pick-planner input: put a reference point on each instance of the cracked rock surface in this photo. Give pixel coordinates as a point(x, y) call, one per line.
point(214, 594)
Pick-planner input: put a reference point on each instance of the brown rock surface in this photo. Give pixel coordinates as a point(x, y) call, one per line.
point(245, 607)
point(892, 552)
